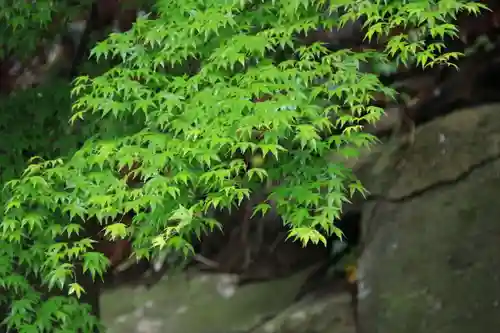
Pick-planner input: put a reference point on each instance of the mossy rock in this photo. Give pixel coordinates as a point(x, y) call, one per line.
point(431, 262)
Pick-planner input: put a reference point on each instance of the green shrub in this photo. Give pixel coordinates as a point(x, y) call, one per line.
point(179, 109)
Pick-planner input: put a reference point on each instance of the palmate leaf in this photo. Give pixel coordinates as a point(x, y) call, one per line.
point(75, 288)
point(193, 89)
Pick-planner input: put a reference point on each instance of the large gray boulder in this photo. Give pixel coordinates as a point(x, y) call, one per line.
point(431, 259)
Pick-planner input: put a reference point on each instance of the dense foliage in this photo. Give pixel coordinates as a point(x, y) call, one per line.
point(206, 103)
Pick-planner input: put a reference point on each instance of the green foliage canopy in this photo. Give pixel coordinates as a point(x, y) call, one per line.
point(178, 109)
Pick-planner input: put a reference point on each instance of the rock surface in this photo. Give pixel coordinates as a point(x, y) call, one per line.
point(330, 313)
point(430, 262)
point(212, 304)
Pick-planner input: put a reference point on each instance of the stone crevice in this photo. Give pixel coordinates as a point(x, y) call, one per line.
point(435, 186)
